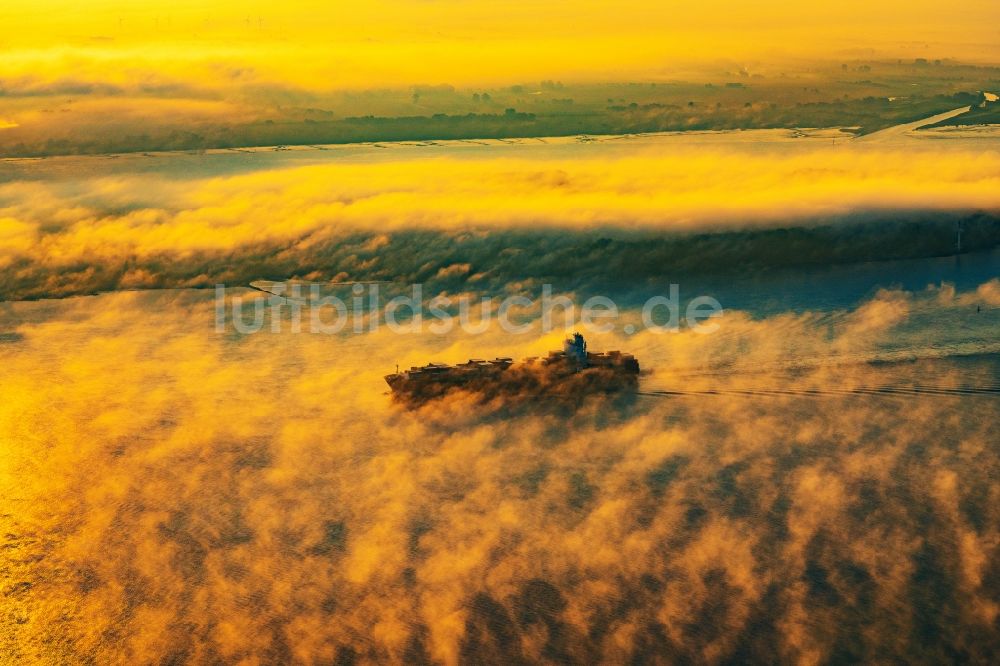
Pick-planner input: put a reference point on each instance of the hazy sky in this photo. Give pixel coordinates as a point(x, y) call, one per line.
point(321, 45)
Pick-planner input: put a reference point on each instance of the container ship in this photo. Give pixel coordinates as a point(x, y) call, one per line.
point(573, 371)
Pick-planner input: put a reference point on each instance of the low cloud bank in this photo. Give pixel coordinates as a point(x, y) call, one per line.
point(469, 217)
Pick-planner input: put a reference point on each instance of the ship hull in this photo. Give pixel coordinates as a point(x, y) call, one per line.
point(557, 376)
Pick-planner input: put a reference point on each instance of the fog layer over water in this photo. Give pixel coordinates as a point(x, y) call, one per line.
point(457, 214)
point(816, 480)
point(173, 493)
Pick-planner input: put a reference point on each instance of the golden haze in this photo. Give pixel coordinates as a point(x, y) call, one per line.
point(320, 45)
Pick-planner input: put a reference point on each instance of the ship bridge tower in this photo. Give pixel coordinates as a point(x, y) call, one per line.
point(575, 348)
